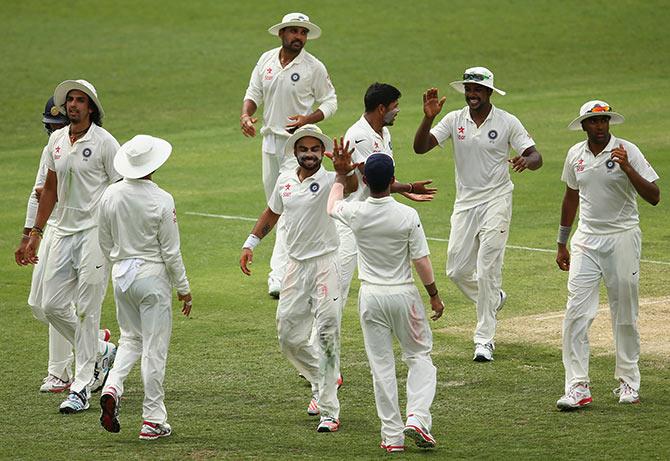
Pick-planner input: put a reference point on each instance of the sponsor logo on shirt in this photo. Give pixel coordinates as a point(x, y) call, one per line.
point(57, 155)
point(287, 190)
point(295, 76)
point(461, 133)
point(268, 73)
point(314, 187)
point(580, 166)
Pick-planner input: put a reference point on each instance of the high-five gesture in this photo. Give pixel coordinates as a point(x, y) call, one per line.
point(431, 104)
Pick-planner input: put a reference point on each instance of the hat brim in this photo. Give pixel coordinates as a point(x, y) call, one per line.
point(160, 152)
point(61, 91)
point(459, 85)
point(290, 142)
point(615, 119)
point(314, 30)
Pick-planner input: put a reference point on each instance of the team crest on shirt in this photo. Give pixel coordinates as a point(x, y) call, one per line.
point(610, 164)
point(314, 187)
point(86, 153)
point(295, 76)
point(493, 134)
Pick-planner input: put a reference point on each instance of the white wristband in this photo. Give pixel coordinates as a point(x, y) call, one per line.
point(251, 242)
point(563, 234)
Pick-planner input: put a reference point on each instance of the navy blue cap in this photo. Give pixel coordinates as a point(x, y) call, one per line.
point(379, 169)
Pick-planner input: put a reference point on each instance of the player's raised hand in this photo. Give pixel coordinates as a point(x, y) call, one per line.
point(188, 303)
point(437, 306)
point(432, 105)
point(247, 125)
point(563, 258)
point(341, 157)
point(246, 258)
point(620, 156)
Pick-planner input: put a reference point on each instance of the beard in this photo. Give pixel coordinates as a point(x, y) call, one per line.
point(309, 162)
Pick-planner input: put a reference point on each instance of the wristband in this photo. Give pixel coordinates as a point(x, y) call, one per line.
point(434, 294)
point(35, 231)
point(411, 188)
point(251, 242)
point(563, 234)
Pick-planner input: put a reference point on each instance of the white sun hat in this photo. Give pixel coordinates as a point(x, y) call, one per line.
point(595, 108)
point(141, 155)
point(304, 131)
point(299, 20)
point(480, 76)
point(63, 88)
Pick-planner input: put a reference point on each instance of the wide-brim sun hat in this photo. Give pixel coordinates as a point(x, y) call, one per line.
point(595, 108)
point(141, 155)
point(305, 131)
point(63, 88)
point(478, 75)
point(298, 20)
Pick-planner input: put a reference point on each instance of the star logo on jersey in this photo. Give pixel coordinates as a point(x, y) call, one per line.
point(461, 129)
point(57, 154)
point(268, 70)
point(376, 146)
point(58, 149)
point(287, 186)
point(314, 187)
point(580, 166)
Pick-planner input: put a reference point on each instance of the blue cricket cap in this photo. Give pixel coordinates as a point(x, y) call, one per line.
point(379, 169)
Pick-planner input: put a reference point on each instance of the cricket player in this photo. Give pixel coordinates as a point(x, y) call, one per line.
point(311, 286)
point(80, 167)
point(603, 176)
point(369, 135)
point(389, 235)
point(138, 233)
point(59, 374)
point(482, 136)
point(288, 82)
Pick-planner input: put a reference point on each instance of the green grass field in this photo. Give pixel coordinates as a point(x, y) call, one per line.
point(179, 70)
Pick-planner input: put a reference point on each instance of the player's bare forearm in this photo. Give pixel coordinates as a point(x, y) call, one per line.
point(246, 118)
point(266, 222)
point(533, 158)
point(336, 193)
point(423, 139)
point(648, 190)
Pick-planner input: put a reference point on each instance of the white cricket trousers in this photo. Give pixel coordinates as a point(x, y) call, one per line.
point(386, 311)
point(614, 258)
point(76, 272)
point(475, 258)
point(311, 294)
point(347, 252)
point(60, 349)
point(273, 165)
point(144, 313)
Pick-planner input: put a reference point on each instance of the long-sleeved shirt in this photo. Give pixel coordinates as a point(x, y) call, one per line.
point(33, 203)
point(138, 220)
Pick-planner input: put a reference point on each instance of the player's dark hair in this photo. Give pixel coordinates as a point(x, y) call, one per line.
point(378, 185)
point(380, 93)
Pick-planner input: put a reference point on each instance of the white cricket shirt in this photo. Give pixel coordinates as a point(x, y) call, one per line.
point(481, 153)
point(33, 203)
point(84, 171)
point(389, 236)
point(607, 198)
point(290, 90)
point(310, 232)
point(138, 220)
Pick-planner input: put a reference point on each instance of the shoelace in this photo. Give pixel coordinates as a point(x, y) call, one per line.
point(623, 388)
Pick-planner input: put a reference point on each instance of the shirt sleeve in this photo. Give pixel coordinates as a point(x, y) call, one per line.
point(168, 239)
point(568, 176)
point(275, 202)
point(442, 131)
point(324, 91)
point(111, 148)
point(519, 138)
point(640, 163)
point(33, 204)
point(51, 165)
point(418, 245)
point(105, 239)
point(255, 89)
point(362, 149)
point(344, 211)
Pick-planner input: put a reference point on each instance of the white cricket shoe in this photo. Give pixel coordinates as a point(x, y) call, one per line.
point(313, 408)
point(54, 384)
point(578, 396)
point(75, 402)
point(415, 431)
point(152, 431)
point(503, 300)
point(484, 352)
point(274, 287)
point(328, 424)
point(392, 448)
point(102, 367)
point(626, 393)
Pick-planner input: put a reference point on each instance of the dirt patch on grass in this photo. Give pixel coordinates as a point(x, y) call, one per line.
point(546, 328)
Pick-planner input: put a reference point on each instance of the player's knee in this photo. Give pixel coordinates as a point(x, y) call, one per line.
point(457, 274)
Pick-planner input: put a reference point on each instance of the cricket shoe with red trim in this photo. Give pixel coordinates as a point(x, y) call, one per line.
point(54, 384)
point(104, 335)
point(578, 396)
point(415, 431)
point(110, 406)
point(328, 424)
point(392, 448)
point(626, 393)
point(313, 408)
point(340, 381)
point(152, 431)
point(102, 367)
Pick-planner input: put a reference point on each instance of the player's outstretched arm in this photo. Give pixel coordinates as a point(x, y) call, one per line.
point(432, 105)
point(266, 222)
point(416, 191)
point(530, 159)
point(568, 213)
point(48, 200)
point(425, 270)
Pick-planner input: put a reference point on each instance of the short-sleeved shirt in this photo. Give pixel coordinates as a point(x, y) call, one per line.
point(84, 170)
point(366, 141)
point(290, 90)
point(607, 198)
point(481, 153)
point(310, 232)
point(389, 236)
